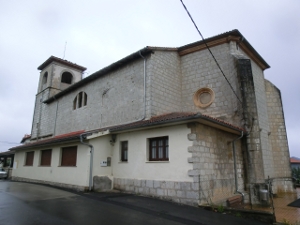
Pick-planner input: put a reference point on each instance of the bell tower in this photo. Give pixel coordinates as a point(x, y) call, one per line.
point(56, 75)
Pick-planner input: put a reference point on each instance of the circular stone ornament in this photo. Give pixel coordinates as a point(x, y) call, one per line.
point(204, 97)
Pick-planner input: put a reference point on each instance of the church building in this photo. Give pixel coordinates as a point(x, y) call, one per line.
point(163, 122)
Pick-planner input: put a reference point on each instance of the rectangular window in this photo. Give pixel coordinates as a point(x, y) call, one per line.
point(159, 149)
point(46, 157)
point(124, 151)
point(69, 156)
point(29, 158)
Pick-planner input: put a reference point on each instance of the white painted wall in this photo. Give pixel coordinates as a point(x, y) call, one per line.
point(138, 167)
point(102, 150)
point(55, 173)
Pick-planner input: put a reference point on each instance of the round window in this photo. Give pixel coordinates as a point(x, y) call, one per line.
point(204, 97)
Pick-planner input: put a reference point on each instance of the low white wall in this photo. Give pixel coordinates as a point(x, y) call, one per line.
point(77, 175)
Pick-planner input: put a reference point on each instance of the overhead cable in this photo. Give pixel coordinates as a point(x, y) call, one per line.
point(210, 51)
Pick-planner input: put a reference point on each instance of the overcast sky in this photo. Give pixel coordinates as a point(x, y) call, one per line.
point(99, 33)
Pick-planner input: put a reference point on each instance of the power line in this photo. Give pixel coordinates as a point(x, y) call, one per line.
point(210, 51)
point(9, 143)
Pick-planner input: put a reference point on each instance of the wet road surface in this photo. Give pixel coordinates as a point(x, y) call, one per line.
point(30, 204)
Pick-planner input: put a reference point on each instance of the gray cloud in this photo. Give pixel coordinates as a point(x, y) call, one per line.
point(99, 33)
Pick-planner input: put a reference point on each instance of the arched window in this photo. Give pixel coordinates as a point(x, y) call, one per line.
point(80, 100)
point(45, 78)
point(66, 77)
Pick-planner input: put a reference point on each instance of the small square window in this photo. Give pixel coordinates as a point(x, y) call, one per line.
point(124, 151)
point(159, 149)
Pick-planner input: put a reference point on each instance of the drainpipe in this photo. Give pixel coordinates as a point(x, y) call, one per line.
point(235, 169)
point(91, 161)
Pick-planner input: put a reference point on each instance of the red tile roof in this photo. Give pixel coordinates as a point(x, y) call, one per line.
point(26, 137)
point(294, 160)
point(62, 61)
point(163, 119)
point(172, 117)
point(57, 139)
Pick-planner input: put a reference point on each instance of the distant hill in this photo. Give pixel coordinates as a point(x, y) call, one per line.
point(293, 157)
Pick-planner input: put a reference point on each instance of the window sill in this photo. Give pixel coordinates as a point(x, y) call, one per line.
point(67, 166)
point(29, 165)
point(157, 161)
point(44, 165)
point(123, 162)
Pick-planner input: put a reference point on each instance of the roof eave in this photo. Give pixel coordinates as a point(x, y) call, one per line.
point(233, 35)
point(62, 61)
point(197, 118)
point(101, 72)
point(45, 144)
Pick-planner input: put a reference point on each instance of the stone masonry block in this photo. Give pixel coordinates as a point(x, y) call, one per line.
point(137, 182)
point(177, 185)
point(185, 186)
point(192, 137)
point(161, 192)
point(149, 183)
point(102, 183)
point(156, 184)
point(171, 193)
point(193, 173)
point(170, 184)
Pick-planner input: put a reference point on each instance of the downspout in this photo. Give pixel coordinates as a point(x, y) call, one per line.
point(235, 169)
point(91, 161)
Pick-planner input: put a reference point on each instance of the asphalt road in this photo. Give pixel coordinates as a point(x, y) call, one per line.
point(30, 204)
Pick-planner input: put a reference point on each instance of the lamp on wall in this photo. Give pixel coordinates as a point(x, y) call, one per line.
point(113, 139)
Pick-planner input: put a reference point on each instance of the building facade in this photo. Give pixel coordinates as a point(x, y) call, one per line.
point(163, 122)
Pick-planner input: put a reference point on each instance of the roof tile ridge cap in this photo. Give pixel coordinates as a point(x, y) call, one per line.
point(174, 115)
point(161, 48)
point(70, 133)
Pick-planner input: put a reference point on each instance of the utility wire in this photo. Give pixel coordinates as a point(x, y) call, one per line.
point(210, 51)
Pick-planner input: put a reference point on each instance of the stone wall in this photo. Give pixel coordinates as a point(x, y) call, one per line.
point(180, 192)
point(213, 163)
point(44, 116)
point(278, 139)
point(263, 120)
point(164, 83)
point(200, 70)
point(113, 99)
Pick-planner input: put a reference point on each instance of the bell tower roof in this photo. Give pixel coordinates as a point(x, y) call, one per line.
point(62, 61)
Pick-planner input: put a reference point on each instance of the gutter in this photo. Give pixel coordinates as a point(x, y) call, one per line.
point(91, 161)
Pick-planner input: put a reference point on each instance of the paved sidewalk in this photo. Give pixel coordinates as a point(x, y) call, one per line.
point(283, 212)
point(170, 210)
